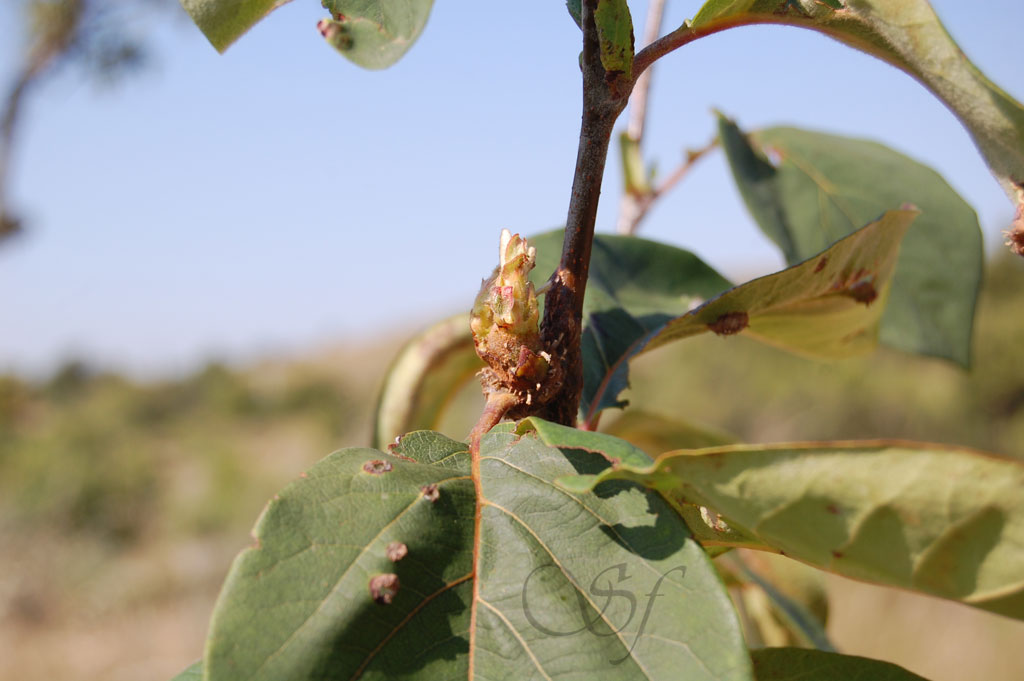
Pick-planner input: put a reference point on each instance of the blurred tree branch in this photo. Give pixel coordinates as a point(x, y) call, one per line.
point(89, 34)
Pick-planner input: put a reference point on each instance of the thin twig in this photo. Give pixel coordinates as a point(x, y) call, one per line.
point(629, 204)
point(641, 90)
point(645, 201)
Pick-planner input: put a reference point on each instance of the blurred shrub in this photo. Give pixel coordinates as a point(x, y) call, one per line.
point(90, 452)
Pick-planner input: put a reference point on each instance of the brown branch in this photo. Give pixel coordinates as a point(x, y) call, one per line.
point(604, 97)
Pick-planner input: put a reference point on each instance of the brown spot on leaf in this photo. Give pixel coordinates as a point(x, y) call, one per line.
point(821, 264)
point(862, 291)
point(833, 509)
point(430, 492)
point(377, 467)
point(837, 554)
point(396, 551)
point(730, 323)
point(384, 588)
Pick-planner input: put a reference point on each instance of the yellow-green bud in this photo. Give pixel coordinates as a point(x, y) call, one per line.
point(507, 299)
point(506, 319)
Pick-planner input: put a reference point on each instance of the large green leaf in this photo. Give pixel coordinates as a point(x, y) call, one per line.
point(572, 544)
point(908, 35)
point(827, 306)
point(300, 604)
point(818, 188)
point(798, 664)
point(372, 33)
point(937, 519)
point(424, 378)
point(376, 33)
point(544, 584)
point(635, 286)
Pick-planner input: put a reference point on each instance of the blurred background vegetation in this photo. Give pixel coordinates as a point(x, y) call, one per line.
point(122, 501)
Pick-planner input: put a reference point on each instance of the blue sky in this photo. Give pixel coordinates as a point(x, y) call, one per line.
point(277, 197)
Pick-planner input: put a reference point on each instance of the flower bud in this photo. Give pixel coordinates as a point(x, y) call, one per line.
point(507, 300)
point(506, 319)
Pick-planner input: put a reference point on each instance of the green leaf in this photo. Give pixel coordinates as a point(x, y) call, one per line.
point(623, 541)
point(194, 672)
point(224, 21)
point(908, 35)
point(827, 306)
point(615, 34)
point(937, 519)
point(823, 187)
point(635, 286)
point(423, 378)
point(300, 604)
point(376, 33)
point(799, 664)
point(518, 592)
